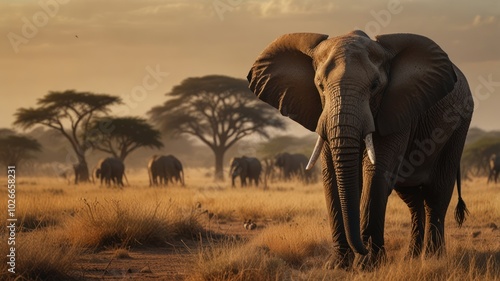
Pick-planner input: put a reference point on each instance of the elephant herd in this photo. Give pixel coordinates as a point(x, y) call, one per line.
point(165, 169)
point(284, 166)
point(161, 170)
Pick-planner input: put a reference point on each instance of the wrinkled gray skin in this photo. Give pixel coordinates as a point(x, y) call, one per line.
point(402, 90)
point(291, 165)
point(110, 170)
point(245, 168)
point(494, 165)
point(165, 168)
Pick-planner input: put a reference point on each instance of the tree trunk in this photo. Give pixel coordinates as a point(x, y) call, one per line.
point(219, 164)
point(81, 171)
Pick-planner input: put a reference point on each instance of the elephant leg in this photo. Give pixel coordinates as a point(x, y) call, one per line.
point(437, 194)
point(434, 225)
point(374, 197)
point(413, 198)
point(342, 255)
point(377, 186)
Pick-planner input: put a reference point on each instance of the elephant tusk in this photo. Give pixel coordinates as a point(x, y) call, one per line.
point(370, 148)
point(315, 154)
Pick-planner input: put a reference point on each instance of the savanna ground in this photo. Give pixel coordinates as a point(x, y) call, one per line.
point(87, 232)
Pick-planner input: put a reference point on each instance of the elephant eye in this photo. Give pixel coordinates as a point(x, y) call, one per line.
point(374, 85)
point(321, 87)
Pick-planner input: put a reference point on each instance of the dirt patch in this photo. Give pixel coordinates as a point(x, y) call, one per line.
point(173, 262)
point(166, 263)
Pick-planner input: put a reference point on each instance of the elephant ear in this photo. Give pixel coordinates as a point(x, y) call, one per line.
point(420, 75)
point(283, 76)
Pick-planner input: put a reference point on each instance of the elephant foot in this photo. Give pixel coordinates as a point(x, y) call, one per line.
point(341, 258)
point(374, 259)
point(434, 252)
point(413, 253)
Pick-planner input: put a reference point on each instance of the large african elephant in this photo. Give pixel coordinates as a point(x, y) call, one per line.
point(293, 165)
point(391, 113)
point(494, 165)
point(245, 168)
point(110, 169)
point(165, 168)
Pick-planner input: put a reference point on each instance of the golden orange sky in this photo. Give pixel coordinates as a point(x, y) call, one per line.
point(140, 49)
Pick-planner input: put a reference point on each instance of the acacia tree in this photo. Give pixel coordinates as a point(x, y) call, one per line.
point(476, 155)
point(217, 110)
point(120, 136)
point(69, 113)
point(15, 149)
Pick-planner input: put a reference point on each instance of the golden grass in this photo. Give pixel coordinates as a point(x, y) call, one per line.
point(292, 240)
point(40, 255)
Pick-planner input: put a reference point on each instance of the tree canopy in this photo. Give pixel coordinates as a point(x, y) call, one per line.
point(217, 110)
point(14, 149)
point(120, 136)
point(476, 155)
point(286, 143)
point(69, 113)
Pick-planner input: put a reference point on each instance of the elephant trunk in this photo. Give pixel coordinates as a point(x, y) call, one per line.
point(233, 175)
point(349, 123)
point(345, 153)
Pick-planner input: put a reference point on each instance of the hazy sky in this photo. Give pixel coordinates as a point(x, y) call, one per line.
point(140, 49)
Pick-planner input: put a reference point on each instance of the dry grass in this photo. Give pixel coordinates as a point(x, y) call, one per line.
point(40, 255)
point(302, 242)
point(292, 240)
point(121, 253)
point(125, 222)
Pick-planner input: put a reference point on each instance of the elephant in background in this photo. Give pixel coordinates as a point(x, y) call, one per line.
point(110, 169)
point(245, 168)
point(165, 168)
point(494, 165)
point(293, 165)
point(391, 113)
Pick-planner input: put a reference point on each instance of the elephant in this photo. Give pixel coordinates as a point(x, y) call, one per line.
point(165, 168)
point(110, 169)
point(245, 168)
point(293, 165)
point(390, 113)
point(494, 165)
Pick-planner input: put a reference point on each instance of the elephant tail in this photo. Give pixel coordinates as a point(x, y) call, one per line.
point(461, 209)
